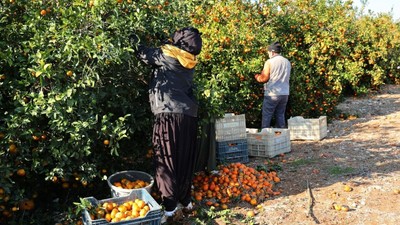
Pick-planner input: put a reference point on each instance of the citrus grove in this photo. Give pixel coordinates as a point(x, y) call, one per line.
point(73, 97)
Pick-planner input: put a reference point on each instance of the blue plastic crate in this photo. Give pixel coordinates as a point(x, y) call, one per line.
point(224, 147)
point(232, 151)
point(241, 157)
point(153, 217)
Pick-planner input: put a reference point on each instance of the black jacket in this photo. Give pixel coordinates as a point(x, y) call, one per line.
point(171, 88)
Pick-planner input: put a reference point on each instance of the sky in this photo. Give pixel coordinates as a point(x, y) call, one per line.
point(378, 6)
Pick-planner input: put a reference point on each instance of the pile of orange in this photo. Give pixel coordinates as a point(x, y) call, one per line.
point(113, 212)
point(233, 182)
point(127, 184)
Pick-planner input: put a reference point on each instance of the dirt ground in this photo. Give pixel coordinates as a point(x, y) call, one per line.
point(361, 151)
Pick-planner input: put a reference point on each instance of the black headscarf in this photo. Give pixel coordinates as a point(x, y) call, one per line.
point(188, 39)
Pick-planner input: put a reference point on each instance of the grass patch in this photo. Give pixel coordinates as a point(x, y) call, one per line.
point(303, 162)
point(339, 170)
point(207, 216)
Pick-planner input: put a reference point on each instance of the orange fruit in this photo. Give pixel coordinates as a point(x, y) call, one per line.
point(198, 197)
point(114, 220)
point(35, 138)
point(224, 206)
point(119, 215)
point(135, 207)
point(21, 172)
point(108, 217)
point(100, 213)
point(250, 213)
point(344, 208)
point(122, 209)
point(347, 188)
point(27, 204)
point(253, 201)
point(135, 214)
point(12, 149)
point(106, 142)
point(70, 73)
point(7, 213)
point(128, 206)
point(205, 187)
point(43, 12)
point(337, 207)
point(142, 212)
point(65, 185)
point(141, 204)
point(113, 213)
point(108, 206)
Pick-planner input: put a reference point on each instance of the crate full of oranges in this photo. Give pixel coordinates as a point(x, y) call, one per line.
point(136, 208)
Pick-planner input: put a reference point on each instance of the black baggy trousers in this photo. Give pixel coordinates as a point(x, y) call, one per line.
point(174, 143)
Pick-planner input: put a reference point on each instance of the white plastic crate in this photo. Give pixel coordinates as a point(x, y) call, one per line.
point(308, 129)
point(270, 142)
point(230, 127)
point(153, 217)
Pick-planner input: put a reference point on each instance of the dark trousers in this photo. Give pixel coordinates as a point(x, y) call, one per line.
point(174, 142)
point(274, 106)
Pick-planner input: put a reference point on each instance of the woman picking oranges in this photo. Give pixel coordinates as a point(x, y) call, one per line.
point(175, 109)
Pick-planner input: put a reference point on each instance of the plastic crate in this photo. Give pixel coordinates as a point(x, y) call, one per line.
point(131, 175)
point(232, 151)
point(270, 142)
point(308, 129)
point(230, 127)
point(153, 217)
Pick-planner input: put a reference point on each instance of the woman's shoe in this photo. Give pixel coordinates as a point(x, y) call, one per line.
point(168, 216)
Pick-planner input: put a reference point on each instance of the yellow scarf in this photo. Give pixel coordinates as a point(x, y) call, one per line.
point(185, 58)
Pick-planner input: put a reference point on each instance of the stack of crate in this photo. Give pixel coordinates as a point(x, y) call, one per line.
point(308, 129)
point(230, 135)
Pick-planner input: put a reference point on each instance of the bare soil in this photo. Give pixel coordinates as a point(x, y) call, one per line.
point(362, 150)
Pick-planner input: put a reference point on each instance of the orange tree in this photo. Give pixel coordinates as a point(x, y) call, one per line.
point(333, 50)
point(235, 35)
point(72, 94)
point(316, 35)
